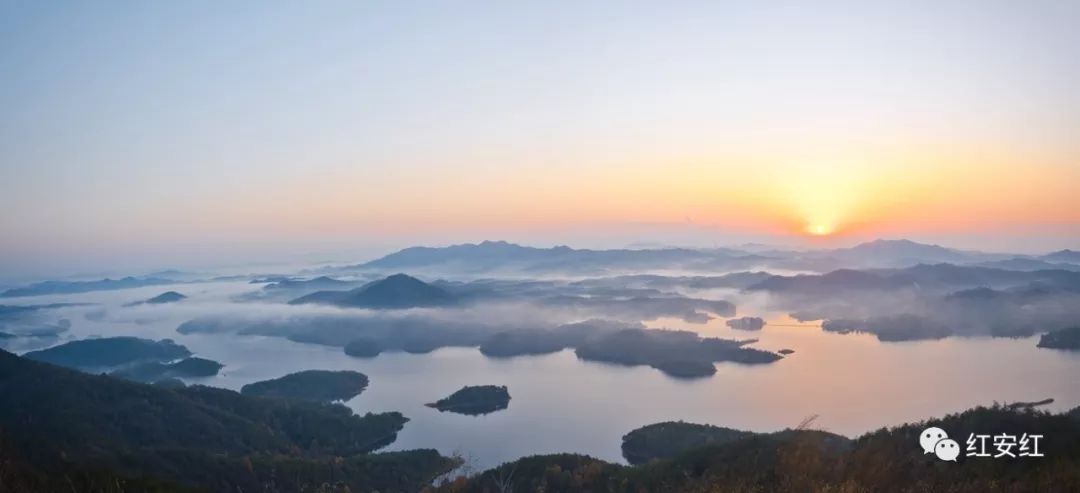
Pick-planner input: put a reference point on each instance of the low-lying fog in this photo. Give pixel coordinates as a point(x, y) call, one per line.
point(582, 363)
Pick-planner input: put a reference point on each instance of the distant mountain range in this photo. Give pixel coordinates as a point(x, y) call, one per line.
point(493, 258)
point(72, 287)
point(497, 256)
point(1068, 256)
point(317, 284)
point(925, 277)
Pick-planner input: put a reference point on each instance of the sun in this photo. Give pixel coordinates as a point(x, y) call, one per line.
point(819, 229)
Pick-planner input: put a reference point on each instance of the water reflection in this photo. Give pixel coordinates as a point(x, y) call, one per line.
point(561, 404)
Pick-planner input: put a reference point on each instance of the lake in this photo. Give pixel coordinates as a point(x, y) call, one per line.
point(851, 382)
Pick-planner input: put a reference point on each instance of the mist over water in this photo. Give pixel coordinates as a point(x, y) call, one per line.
point(853, 382)
point(390, 246)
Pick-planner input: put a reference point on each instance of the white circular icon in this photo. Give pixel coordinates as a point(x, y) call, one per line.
point(947, 449)
point(930, 437)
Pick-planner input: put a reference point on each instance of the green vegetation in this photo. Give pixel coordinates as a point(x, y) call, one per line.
point(170, 383)
point(154, 371)
point(677, 353)
point(668, 439)
point(109, 352)
point(525, 342)
point(1061, 339)
point(887, 460)
point(531, 341)
point(475, 400)
point(71, 431)
point(311, 385)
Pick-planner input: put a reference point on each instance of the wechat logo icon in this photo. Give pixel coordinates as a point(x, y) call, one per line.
point(935, 441)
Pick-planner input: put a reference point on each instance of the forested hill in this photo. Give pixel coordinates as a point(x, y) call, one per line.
point(61, 430)
point(888, 460)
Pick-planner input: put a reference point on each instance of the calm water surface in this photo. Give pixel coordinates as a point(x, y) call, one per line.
point(852, 382)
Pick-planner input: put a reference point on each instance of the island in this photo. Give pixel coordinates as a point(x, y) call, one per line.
point(1068, 338)
point(161, 299)
point(32, 321)
point(536, 341)
point(153, 371)
point(42, 331)
point(311, 285)
point(106, 352)
point(363, 348)
point(786, 352)
point(686, 369)
point(523, 342)
point(475, 400)
point(311, 385)
point(696, 317)
point(891, 328)
point(680, 354)
point(746, 323)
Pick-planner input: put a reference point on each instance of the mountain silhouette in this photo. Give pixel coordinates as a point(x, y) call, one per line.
point(490, 256)
point(900, 252)
point(398, 291)
point(74, 287)
point(1067, 256)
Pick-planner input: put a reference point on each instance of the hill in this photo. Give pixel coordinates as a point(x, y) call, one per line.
point(161, 299)
point(500, 256)
point(887, 460)
point(925, 277)
point(489, 256)
point(72, 287)
point(398, 291)
point(897, 252)
point(669, 439)
point(316, 284)
point(166, 297)
point(109, 352)
point(72, 431)
point(1067, 256)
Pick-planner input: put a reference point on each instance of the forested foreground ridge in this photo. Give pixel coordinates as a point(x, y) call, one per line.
point(62, 430)
point(887, 460)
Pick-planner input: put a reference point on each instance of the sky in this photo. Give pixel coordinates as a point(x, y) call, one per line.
point(172, 133)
